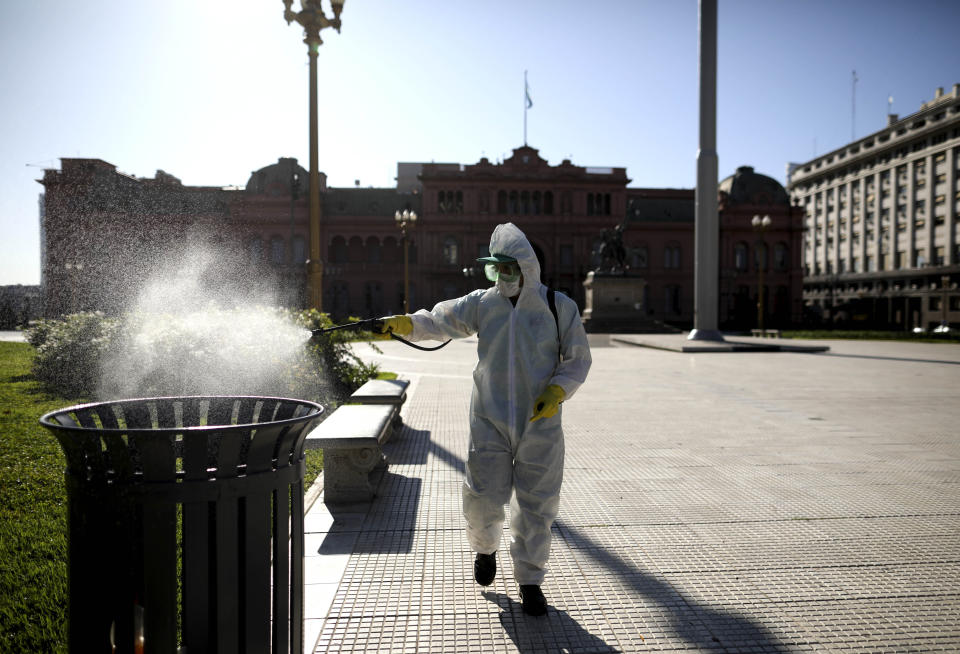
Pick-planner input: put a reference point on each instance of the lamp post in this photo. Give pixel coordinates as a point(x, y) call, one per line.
point(312, 19)
point(406, 220)
point(761, 225)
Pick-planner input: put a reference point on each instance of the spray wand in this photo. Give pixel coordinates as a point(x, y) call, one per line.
point(375, 325)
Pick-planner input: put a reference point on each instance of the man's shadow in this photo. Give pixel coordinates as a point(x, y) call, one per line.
point(554, 632)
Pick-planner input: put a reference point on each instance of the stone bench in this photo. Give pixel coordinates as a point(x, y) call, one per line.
point(350, 439)
point(392, 392)
point(765, 333)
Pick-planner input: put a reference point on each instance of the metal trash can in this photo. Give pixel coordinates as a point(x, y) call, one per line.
point(185, 521)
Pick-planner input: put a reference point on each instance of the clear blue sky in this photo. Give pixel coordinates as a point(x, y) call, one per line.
point(211, 91)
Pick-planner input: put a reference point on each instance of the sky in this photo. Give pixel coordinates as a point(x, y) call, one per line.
point(210, 92)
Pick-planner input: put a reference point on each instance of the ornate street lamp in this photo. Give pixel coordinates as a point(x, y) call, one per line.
point(405, 220)
point(312, 19)
point(761, 225)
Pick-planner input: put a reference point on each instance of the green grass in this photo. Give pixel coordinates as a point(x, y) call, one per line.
point(952, 337)
point(33, 522)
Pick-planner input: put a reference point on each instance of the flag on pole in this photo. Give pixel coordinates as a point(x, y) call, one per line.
point(526, 91)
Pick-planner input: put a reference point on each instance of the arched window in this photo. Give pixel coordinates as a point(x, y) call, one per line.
point(781, 256)
point(299, 250)
point(606, 204)
point(451, 251)
point(525, 202)
point(741, 257)
point(513, 207)
point(459, 201)
point(536, 203)
point(338, 250)
point(548, 203)
point(590, 207)
point(501, 202)
point(355, 250)
point(277, 250)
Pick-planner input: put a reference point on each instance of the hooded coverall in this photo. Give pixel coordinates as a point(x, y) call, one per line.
point(518, 354)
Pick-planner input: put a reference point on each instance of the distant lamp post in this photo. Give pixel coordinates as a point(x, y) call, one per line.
point(312, 19)
point(406, 220)
point(761, 225)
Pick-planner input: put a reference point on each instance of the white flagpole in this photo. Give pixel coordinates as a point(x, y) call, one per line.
point(526, 95)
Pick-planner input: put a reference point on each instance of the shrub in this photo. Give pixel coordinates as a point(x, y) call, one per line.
point(250, 351)
point(69, 351)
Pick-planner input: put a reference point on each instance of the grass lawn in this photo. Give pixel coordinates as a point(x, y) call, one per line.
point(33, 521)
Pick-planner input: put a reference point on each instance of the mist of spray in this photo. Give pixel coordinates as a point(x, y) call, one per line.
point(189, 333)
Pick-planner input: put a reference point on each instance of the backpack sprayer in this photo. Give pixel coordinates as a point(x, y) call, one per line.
point(375, 325)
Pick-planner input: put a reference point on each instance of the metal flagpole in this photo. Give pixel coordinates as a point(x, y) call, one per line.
point(706, 227)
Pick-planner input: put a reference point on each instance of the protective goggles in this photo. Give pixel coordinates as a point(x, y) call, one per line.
point(508, 272)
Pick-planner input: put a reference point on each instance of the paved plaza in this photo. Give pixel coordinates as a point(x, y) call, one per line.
point(727, 502)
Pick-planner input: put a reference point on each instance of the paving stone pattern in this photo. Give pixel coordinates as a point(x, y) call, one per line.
point(722, 502)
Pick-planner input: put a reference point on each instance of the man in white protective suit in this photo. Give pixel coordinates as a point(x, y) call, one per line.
point(530, 360)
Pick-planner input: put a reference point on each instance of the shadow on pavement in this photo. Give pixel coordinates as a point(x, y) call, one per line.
point(557, 631)
point(700, 625)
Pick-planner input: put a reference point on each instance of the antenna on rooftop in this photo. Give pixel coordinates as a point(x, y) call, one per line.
point(853, 108)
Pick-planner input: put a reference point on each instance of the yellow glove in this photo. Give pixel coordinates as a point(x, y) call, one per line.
point(548, 403)
point(400, 325)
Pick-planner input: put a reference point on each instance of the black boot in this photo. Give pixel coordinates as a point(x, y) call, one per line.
point(485, 568)
point(534, 603)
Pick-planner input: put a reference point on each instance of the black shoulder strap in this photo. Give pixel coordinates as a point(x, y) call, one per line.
point(552, 301)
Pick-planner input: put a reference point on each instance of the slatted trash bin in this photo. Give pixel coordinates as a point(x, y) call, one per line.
point(185, 523)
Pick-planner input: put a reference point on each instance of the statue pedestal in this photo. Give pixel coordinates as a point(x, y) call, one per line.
point(614, 304)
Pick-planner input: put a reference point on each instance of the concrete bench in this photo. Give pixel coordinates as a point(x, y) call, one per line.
point(392, 392)
point(350, 439)
point(765, 333)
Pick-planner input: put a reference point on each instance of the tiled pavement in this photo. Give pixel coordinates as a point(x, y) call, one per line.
point(725, 502)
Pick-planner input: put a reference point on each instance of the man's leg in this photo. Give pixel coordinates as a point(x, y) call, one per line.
point(487, 484)
point(537, 477)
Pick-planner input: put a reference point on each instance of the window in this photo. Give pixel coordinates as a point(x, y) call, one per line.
point(299, 250)
point(781, 257)
point(355, 250)
point(741, 256)
point(638, 257)
point(451, 251)
point(671, 257)
point(501, 202)
point(566, 256)
point(277, 251)
point(338, 250)
point(919, 258)
point(548, 203)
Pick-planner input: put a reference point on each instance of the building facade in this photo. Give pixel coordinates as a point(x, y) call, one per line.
point(106, 234)
point(881, 244)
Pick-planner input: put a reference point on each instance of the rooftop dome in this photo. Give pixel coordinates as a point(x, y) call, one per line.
point(278, 179)
point(748, 187)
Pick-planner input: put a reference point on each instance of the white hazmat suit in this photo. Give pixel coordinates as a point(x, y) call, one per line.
point(518, 358)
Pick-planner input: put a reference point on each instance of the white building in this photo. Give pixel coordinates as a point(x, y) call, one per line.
point(881, 245)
